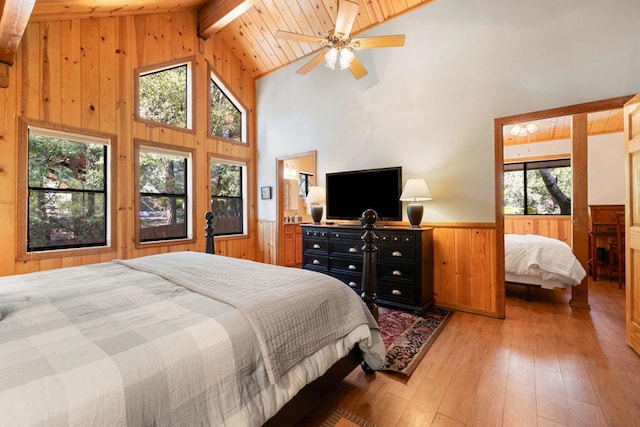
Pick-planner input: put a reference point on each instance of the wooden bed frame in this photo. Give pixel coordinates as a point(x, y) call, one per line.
point(306, 399)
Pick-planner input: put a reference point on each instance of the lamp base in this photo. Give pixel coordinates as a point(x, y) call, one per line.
point(414, 212)
point(316, 213)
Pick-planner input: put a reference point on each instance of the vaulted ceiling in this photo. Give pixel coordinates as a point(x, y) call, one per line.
point(247, 26)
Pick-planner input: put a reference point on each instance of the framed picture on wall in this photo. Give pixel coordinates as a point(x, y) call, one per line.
point(265, 192)
point(305, 180)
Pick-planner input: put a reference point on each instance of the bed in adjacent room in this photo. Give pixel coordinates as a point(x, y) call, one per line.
point(540, 261)
point(182, 338)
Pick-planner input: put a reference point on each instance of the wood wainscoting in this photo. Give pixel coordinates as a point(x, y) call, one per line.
point(557, 226)
point(464, 264)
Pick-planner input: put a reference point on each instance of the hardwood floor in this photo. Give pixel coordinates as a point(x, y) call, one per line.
point(546, 364)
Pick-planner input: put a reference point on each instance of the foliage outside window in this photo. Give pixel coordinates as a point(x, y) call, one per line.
point(544, 187)
point(67, 190)
point(228, 197)
point(164, 95)
point(164, 194)
point(226, 115)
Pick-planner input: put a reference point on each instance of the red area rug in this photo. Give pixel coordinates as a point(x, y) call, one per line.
point(407, 337)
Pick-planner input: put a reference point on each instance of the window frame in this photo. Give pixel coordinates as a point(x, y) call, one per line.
point(244, 163)
point(157, 147)
point(190, 62)
point(235, 100)
point(82, 135)
point(513, 166)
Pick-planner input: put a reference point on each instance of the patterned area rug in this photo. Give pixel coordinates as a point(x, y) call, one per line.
point(343, 418)
point(407, 337)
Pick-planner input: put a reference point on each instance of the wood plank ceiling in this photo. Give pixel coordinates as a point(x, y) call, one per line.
point(558, 128)
point(250, 32)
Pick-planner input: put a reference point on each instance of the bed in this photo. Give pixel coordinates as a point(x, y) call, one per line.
point(181, 338)
point(534, 260)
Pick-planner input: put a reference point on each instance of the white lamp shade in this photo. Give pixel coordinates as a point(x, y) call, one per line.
point(316, 195)
point(415, 190)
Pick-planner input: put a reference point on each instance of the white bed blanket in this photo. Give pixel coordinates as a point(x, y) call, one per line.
point(542, 257)
point(108, 345)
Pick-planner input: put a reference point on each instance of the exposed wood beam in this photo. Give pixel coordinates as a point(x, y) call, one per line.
point(13, 21)
point(216, 14)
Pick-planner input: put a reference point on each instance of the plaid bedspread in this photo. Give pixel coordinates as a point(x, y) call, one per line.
point(109, 345)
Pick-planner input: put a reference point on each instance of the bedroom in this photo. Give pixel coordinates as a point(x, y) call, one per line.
point(433, 101)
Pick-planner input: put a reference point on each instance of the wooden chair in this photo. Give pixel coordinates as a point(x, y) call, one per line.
point(617, 251)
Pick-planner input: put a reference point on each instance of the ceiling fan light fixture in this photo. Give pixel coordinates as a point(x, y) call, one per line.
point(346, 56)
point(531, 128)
point(331, 57)
point(515, 130)
point(523, 129)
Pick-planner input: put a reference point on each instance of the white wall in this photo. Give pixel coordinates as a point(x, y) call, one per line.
point(430, 106)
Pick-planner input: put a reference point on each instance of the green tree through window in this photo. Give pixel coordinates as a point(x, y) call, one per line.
point(226, 116)
point(544, 187)
point(163, 194)
point(67, 197)
point(227, 200)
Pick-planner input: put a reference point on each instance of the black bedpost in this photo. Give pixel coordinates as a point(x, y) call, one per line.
point(369, 268)
point(209, 232)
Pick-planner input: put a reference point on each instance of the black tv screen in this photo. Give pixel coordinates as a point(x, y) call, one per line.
point(351, 193)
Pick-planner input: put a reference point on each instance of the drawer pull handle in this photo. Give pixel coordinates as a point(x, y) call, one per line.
point(352, 267)
point(396, 292)
point(353, 284)
point(316, 262)
point(396, 253)
point(397, 273)
point(353, 250)
point(316, 246)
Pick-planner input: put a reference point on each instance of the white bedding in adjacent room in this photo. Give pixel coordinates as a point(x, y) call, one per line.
point(541, 260)
point(118, 344)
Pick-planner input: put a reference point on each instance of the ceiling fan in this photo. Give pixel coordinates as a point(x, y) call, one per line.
point(338, 46)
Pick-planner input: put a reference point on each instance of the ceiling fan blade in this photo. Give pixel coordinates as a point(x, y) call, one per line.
point(317, 60)
point(396, 40)
point(357, 69)
point(297, 37)
point(347, 12)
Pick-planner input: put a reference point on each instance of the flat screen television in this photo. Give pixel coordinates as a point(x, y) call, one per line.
point(351, 193)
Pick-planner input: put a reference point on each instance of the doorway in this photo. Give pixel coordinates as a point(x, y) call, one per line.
point(295, 174)
point(579, 231)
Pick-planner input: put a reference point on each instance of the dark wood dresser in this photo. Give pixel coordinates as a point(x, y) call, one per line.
point(404, 261)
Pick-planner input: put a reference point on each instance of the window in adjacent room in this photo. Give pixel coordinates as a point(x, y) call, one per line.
point(227, 116)
point(164, 186)
point(544, 187)
point(164, 94)
point(228, 196)
point(67, 187)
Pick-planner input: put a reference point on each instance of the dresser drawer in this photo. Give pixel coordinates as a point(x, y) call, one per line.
point(345, 265)
point(395, 253)
point(316, 245)
point(316, 262)
point(390, 237)
point(314, 232)
point(349, 248)
point(347, 235)
point(397, 271)
point(396, 292)
point(353, 281)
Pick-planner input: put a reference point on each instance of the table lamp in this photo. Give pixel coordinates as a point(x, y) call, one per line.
point(415, 190)
point(315, 198)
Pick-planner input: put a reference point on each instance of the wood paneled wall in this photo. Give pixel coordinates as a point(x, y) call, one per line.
point(557, 227)
point(80, 73)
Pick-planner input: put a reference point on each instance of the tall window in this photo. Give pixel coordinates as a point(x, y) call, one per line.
point(227, 117)
point(543, 187)
point(228, 195)
point(164, 185)
point(164, 94)
point(67, 190)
